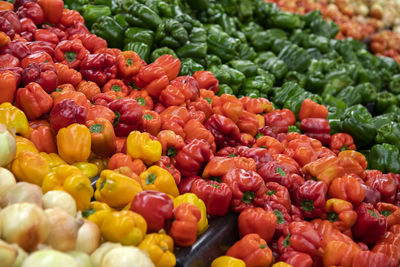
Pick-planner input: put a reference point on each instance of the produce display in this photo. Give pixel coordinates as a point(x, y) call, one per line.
point(130, 129)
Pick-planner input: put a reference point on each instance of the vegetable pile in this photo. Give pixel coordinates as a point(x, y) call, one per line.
point(107, 160)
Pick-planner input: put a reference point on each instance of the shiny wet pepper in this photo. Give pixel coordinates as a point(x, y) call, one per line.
point(160, 248)
point(159, 179)
point(73, 143)
point(184, 227)
point(227, 261)
point(34, 100)
point(141, 146)
point(310, 198)
point(191, 198)
point(30, 167)
point(14, 118)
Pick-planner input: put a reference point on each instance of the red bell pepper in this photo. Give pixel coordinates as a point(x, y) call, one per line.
point(8, 86)
point(257, 221)
point(28, 29)
point(12, 18)
point(220, 166)
point(184, 227)
point(276, 122)
point(279, 194)
point(37, 57)
point(310, 109)
point(31, 10)
point(317, 128)
point(171, 96)
point(152, 78)
point(216, 196)
point(34, 101)
point(68, 17)
point(116, 85)
point(191, 84)
point(253, 250)
point(194, 129)
point(390, 211)
point(98, 68)
point(353, 162)
point(41, 46)
point(310, 198)
point(385, 184)
point(128, 116)
point(90, 41)
point(166, 163)
point(296, 258)
point(186, 184)
point(370, 224)
point(206, 80)
point(193, 156)
point(70, 53)
point(283, 217)
point(372, 259)
point(156, 207)
point(65, 113)
point(340, 142)
point(171, 143)
point(43, 139)
point(170, 65)
point(17, 48)
point(42, 73)
point(272, 172)
point(46, 36)
point(248, 189)
point(151, 122)
point(52, 10)
point(225, 131)
point(8, 60)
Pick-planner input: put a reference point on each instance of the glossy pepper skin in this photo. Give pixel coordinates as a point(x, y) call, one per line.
point(109, 29)
point(338, 253)
point(30, 167)
point(70, 53)
point(347, 188)
point(227, 261)
point(216, 196)
point(171, 143)
point(156, 207)
point(103, 140)
point(8, 86)
point(42, 73)
point(73, 143)
point(295, 258)
point(71, 180)
point(340, 213)
point(141, 146)
point(370, 259)
point(159, 179)
point(310, 109)
point(257, 221)
point(340, 142)
point(370, 224)
point(14, 118)
point(152, 78)
point(129, 64)
point(384, 157)
point(31, 10)
point(225, 131)
point(192, 157)
point(88, 169)
point(206, 80)
point(390, 211)
point(191, 198)
point(125, 227)
point(160, 248)
point(317, 128)
point(253, 250)
point(184, 227)
point(128, 115)
point(115, 189)
point(44, 139)
point(65, 113)
point(219, 166)
point(310, 198)
point(98, 68)
point(34, 100)
point(324, 169)
point(248, 189)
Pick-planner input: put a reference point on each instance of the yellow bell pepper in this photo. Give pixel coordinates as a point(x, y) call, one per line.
point(52, 159)
point(191, 198)
point(115, 189)
point(88, 169)
point(160, 248)
point(141, 146)
point(281, 264)
point(24, 144)
point(96, 212)
point(227, 261)
point(159, 179)
point(14, 118)
point(71, 180)
point(126, 227)
point(30, 167)
point(100, 163)
point(73, 143)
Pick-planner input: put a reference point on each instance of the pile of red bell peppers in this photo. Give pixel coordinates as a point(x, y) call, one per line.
point(303, 200)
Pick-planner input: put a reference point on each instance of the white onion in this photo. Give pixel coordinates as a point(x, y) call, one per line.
point(63, 229)
point(59, 199)
point(89, 237)
point(49, 258)
point(125, 257)
point(98, 255)
point(8, 146)
point(7, 180)
point(23, 192)
point(25, 224)
point(11, 255)
point(81, 258)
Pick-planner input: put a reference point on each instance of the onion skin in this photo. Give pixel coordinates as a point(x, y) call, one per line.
point(49, 258)
point(7, 180)
point(125, 256)
point(8, 146)
point(23, 192)
point(98, 255)
point(59, 199)
point(25, 224)
point(89, 237)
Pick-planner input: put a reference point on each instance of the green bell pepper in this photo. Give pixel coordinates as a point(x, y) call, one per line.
point(269, 62)
point(192, 50)
point(395, 109)
point(294, 76)
point(142, 49)
point(287, 91)
point(142, 16)
point(253, 93)
point(189, 66)
point(394, 86)
point(162, 8)
point(319, 26)
point(384, 157)
point(384, 100)
point(91, 13)
point(114, 5)
point(251, 28)
point(367, 91)
point(259, 83)
point(383, 119)
point(295, 57)
point(286, 20)
point(199, 4)
point(162, 51)
point(339, 79)
point(246, 67)
point(263, 40)
point(212, 60)
point(227, 75)
point(293, 128)
point(110, 30)
point(198, 35)
point(224, 89)
point(350, 95)
point(121, 19)
point(73, 4)
point(315, 82)
point(221, 44)
point(316, 41)
point(142, 35)
point(171, 33)
point(389, 133)
point(246, 52)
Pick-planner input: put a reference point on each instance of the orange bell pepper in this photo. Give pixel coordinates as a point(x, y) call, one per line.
point(102, 136)
point(172, 96)
point(34, 100)
point(340, 142)
point(248, 123)
point(43, 139)
point(171, 143)
point(219, 166)
point(310, 109)
point(73, 143)
point(128, 63)
point(271, 144)
point(353, 162)
point(340, 213)
point(257, 221)
point(52, 10)
point(151, 122)
point(116, 85)
point(194, 129)
point(184, 227)
point(99, 111)
point(123, 160)
point(38, 57)
point(253, 250)
point(256, 105)
point(143, 98)
point(88, 88)
point(66, 74)
point(229, 106)
point(288, 163)
point(4, 5)
point(347, 188)
point(8, 85)
point(4, 39)
point(339, 253)
point(78, 97)
point(324, 169)
point(390, 211)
